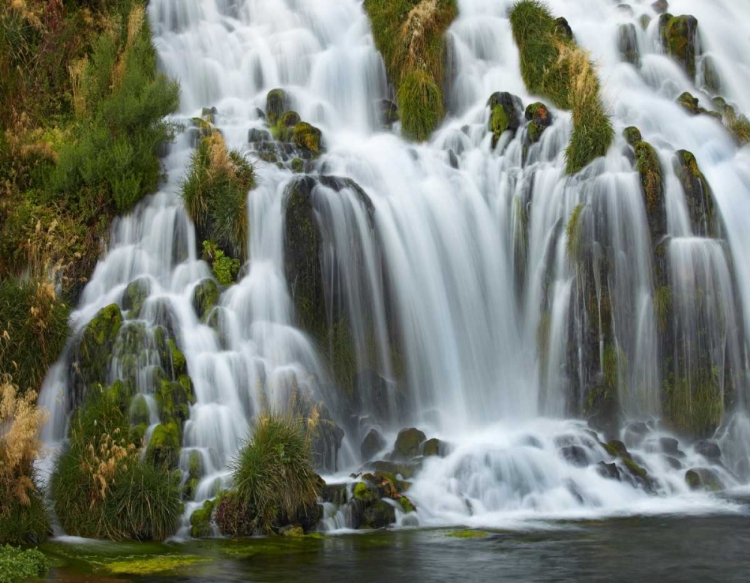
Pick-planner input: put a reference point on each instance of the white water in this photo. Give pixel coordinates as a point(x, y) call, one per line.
point(448, 239)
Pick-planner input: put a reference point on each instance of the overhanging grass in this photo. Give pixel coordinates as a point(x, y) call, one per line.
point(554, 66)
point(410, 34)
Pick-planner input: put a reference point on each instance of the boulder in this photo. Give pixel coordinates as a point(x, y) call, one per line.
point(256, 135)
point(135, 296)
point(373, 443)
point(660, 6)
point(671, 446)
point(200, 520)
point(307, 137)
point(609, 471)
point(563, 29)
point(627, 44)
point(540, 118)
point(433, 447)
point(632, 135)
point(679, 36)
point(575, 455)
point(164, 445)
point(698, 195)
point(703, 479)
point(277, 102)
point(408, 444)
point(205, 297)
point(709, 450)
point(505, 114)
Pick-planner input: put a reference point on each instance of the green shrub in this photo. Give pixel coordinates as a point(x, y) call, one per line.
point(100, 486)
point(554, 66)
point(33, 331)
point(215, 194)
point(272, 473)
point(17, 564)
point(410, 34)
point(225, 268)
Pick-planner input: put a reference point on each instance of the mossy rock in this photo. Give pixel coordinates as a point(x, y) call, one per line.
point(277, 102)
point(408, 444)
point(297, 165)
point(205, 297)
point(94, 351)
point(137, 433)
point(632, 135)
point(377, 514)
point(200, 520)
point(652, 187)
point(139, 412)
point(283, 130)
point(174, 399)
point(371, 444)
point(627, 43)
point(196, 467)
point(698, 196)
point(703, 479)
point(691, 104)
point(602, 410)
point(679, 36)
point(164, 446)
point(364, 491)
point(711, 77)
point(540, 118)
point(135, 296)
point(405, 470)
point(432, 447)
point(307, 137)
point(406, 504)
point(505, 114)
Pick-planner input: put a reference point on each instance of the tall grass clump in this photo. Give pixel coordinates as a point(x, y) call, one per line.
point(33, 331)
point(101, 487)
point(113, 161)
point(410, 34)
point(215, 194)
point(272, 474)
point(23, 516)
point(554, 66)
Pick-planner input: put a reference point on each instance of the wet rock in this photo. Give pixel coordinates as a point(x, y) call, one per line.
point(563, 28)
point(135, 296)
point(453, 159)
point(433, 447)
point(627, 44)
point(671, 446)
point(297, 165)
point(277, 102)
point(307, 137)
point(205, 297)
point(539, 118)
point(660, 6)
point(626, 9)
point(679, 37)
point(531, 441)
point(673, 462)
point(692, 105)
point(405, 470)
point(698, 195)
point(632, 135)
point(372, 444)
point(506, 111)
point(634, 472)
point(407, 444)
point(174, 398)
point(652, 187)
point(200, 520)
point(610, 471)
point(711, 77)
point(709, 450)
point(602, 411)
point(334, 494)
point(256, 135)
point(575, 456)
point(139, 412)
point(372, 515)
point(635, 433)
point(644, 20)
point(378, 397)
point(703, 479)
point(164, 446)
point(387, 113)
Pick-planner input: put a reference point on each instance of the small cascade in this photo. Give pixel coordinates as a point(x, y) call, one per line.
point(465, 285)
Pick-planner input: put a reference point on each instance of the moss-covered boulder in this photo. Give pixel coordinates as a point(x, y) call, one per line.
point(92, 354)
point(139, 412)
point(297, 165)
point(174, 399)
point(205, 297)
point(307, 137)
point(164, 446)
point(652, 187)
point(627, 44)
point(373, 443)
point(135, 295)
point(277, 102)
point(632, 136)
point(691, 104)
point(540, 118)
point(660, 6)
point(200, 520)
point(679, 36)
point(505, 114)
point(704, 218)
point(703, 479)
point(408, 444)
point(406, 470)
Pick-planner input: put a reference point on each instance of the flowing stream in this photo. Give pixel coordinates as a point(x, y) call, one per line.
point(463, 246)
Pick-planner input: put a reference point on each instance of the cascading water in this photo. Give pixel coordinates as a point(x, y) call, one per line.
point(450, 260)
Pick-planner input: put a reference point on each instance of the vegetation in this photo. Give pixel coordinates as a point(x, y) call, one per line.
point(693, 401)
point(23, 518)
point(225, 269)
point(17, 564)
point(273, 475)
point(80, 130)
point(101, 487)
point(33, 330)
point(152, 565)
point(215, 194)
point(574, 235)
point(554, 66)
point(410, 34)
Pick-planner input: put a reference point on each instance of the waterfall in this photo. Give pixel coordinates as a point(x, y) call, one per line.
point(449, 260)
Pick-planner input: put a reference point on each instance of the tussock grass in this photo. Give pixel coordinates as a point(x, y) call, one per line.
point(272, 474)
point(554, 66)
point(410, 34)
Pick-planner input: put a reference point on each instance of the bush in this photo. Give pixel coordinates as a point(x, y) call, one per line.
point(410, 34)
point(272, 474)
point(554, 66)
point(215, 194)
point(33, 331)
point(23, 517)
point(102, 489)
point(17, 564)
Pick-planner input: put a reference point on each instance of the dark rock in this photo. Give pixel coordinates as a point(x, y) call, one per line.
point(563, 28)
point(635, 433)
point(610, 471)
point(575, 455)
point(434, 447)
point(453, 159)
point(407, 444)
point(698, 195)
point(531, 441)
point(660, 6)
point(334, 493)
point(708, 449)
point(626, 9)
point(372, 444)
point(405, 470)
point(627, 44)
point(703, 479)
point(387, 113)
point(673, 462)
point(255, 135)
point(205, 297)
point(671, 446)
point(539, 118)
point(711, 77)
point(602, 411)
point(378, 397)
point(277, 102)
point(506, 111)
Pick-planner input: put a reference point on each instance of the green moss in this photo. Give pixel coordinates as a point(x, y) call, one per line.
point(164, 445)
point(362, 492)
point(467, 534)
point(410, 36)
point(574, 235)
point(225, 268)
point(153, 565)
point(633, 135)
point(276, 103)
point(554, 66)
point(610, 364)
point(205, 297)
point(649, 168)
point(406, 504)
point(408, 444)
point(200, 520)
point(135, 296)
point(498, 122)
point(663, 306)
point(698, 195)
point(17, 564)
point(307, 137)
point(678, 35)
point(297, 165)
point(693, 480)
point(431, 447)
point(693, 402)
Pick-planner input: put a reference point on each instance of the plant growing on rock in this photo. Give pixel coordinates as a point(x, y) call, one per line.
point(23, 517)
point(553, 65)
point(410, 36)
point(272, 474)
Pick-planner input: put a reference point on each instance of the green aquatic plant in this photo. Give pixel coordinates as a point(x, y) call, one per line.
point(17, 564)
point(155, 565)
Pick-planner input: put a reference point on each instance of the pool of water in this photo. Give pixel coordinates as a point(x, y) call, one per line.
point(654, 548)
